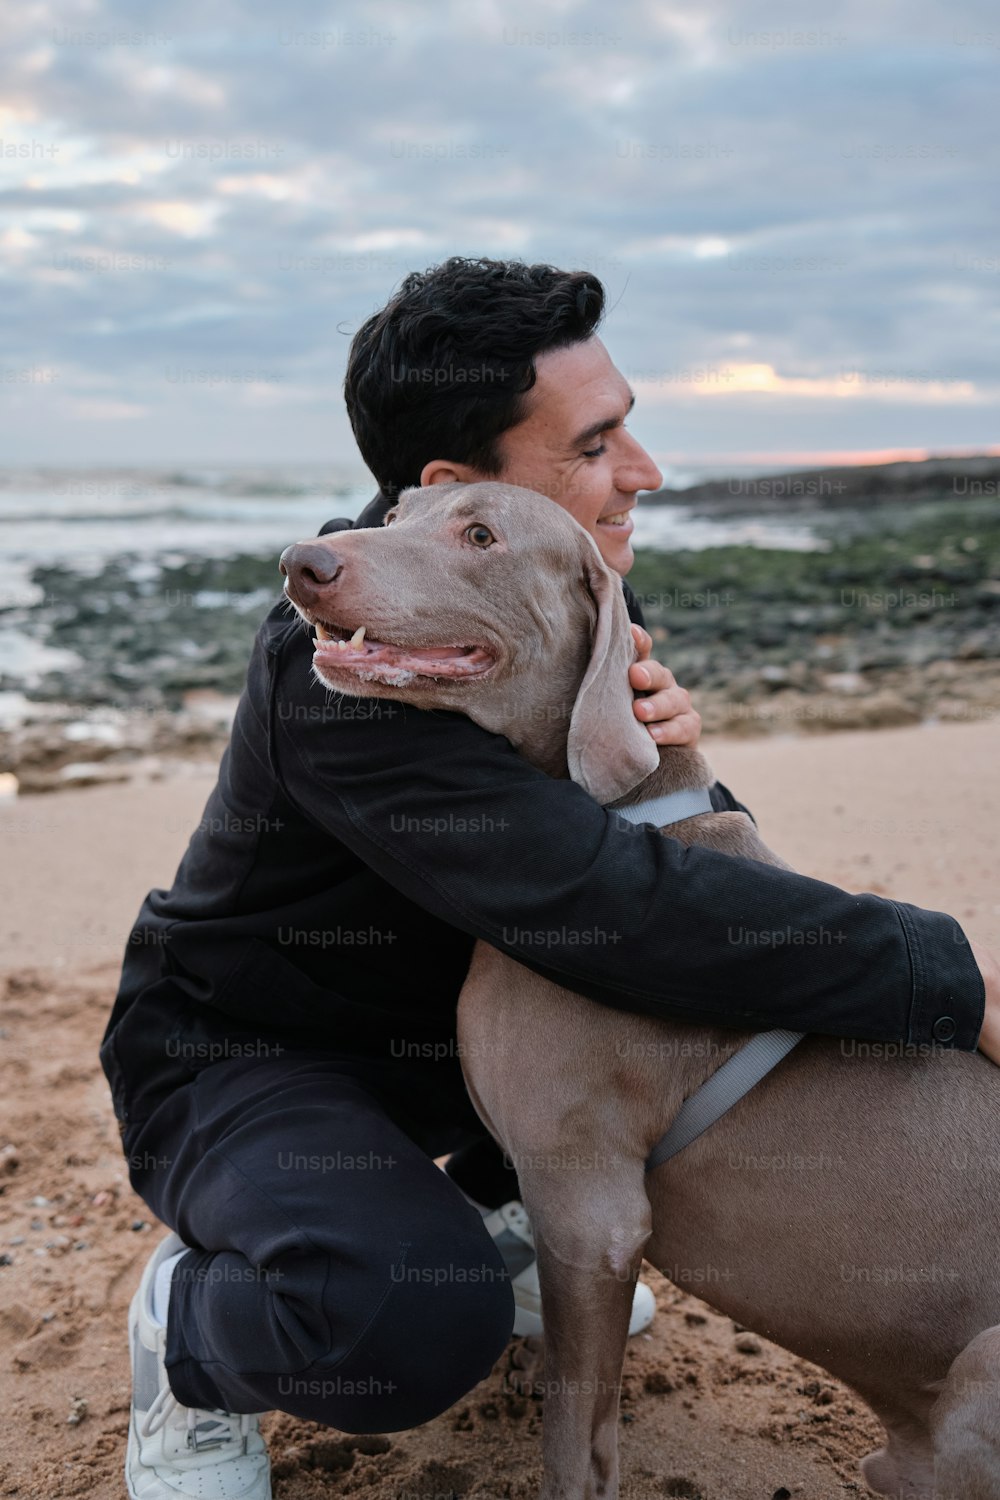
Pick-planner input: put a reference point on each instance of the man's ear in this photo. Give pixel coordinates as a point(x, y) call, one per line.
point(445, 471)
point(440, 473)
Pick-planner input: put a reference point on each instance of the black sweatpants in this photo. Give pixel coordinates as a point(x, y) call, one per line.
point(337, 1272)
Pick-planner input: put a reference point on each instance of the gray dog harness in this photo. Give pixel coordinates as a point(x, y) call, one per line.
point(754, 1060)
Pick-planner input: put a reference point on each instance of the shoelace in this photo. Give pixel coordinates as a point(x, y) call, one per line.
point(220, 1431)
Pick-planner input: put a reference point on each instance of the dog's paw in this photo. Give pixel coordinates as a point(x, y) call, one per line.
point(525, 1373)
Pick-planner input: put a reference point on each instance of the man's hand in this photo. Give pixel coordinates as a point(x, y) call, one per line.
point(667, 712)
point(989, 1037)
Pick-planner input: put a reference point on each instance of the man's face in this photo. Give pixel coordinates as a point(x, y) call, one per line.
point(573, 446)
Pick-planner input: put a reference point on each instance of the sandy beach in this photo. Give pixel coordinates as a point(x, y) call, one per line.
point(707, 1414)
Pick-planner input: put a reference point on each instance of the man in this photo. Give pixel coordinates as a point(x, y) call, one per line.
point(282, 1097)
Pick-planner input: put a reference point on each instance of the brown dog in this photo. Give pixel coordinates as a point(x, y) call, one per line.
point(880, 1260)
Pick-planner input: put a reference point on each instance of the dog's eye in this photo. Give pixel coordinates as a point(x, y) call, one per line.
point(480, 536)
point(388, 518)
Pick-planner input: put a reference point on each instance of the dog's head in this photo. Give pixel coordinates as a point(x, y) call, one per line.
point(489, 600)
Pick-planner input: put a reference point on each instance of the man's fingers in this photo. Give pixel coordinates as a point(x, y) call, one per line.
point(666, 704)
point(652, 675)
point(685, 729)
point(989, 967)
point(643, 641)
point(666, 709)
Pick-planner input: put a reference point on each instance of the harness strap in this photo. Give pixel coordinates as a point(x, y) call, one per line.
point(719, 1093)
point(670, 808)
point(752, 1062)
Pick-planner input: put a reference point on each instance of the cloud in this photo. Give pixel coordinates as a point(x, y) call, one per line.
point(875, 384)
point(236, 188)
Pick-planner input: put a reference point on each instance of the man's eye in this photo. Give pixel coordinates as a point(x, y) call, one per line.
point(595, 452)
point(480, 536)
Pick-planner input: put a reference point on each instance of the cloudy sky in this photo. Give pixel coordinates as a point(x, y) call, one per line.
point(794, 208)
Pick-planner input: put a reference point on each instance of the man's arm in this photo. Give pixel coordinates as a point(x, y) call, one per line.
point(455, 819)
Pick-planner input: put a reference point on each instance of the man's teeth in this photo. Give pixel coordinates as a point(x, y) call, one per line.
point(618, 520)
point(322, 634)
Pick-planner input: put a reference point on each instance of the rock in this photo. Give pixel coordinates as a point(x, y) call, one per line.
point(881, 710)
point(844, 682)
point(748, 1343)
point(91, 773)
point(974, 647)
point(77, 1412)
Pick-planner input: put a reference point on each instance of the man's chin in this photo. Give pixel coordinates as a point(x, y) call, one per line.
point(617, 554)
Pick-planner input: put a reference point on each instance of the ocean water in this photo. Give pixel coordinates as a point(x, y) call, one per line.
point(82, 521)
point(85, 518)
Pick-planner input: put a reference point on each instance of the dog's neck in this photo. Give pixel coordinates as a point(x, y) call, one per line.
point(681, 769)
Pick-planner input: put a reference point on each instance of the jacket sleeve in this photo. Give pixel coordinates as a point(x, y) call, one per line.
point(451, 816)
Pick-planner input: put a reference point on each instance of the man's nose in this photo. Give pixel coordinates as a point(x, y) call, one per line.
point(639, 471)
point(309, 568)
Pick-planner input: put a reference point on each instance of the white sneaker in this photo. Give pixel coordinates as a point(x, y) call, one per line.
point(176, 1450)
point(510, 1228)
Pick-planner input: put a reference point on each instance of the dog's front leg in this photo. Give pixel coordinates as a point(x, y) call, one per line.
point(590, 1229)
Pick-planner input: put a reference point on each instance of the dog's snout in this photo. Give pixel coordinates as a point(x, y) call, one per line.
point(309, 567)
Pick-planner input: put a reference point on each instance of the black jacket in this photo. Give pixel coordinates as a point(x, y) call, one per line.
point(353, 849)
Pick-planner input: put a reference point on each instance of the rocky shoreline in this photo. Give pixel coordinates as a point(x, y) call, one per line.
point(938, 481)
point(894, 619)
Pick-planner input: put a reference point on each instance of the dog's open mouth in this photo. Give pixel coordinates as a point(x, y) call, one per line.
point(383, 661)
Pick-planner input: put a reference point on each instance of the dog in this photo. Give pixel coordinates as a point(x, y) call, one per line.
point(491, 600)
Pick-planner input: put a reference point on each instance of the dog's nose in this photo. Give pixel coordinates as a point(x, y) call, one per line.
point(309, 568)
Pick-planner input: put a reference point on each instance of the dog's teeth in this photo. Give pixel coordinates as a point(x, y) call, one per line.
point(341, 645)
point(358, 637)
point(322, 634)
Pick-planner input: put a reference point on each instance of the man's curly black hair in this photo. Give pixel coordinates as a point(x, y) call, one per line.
point(442, 370)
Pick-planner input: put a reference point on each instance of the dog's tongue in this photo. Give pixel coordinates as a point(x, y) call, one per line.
point(427, 653)
point(369, 656)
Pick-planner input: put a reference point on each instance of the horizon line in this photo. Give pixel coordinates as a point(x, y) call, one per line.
point(789, 458)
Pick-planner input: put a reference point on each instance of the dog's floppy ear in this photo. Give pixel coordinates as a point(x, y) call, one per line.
point(608, 751)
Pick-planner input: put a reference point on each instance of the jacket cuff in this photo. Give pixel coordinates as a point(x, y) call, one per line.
point(948, 996)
